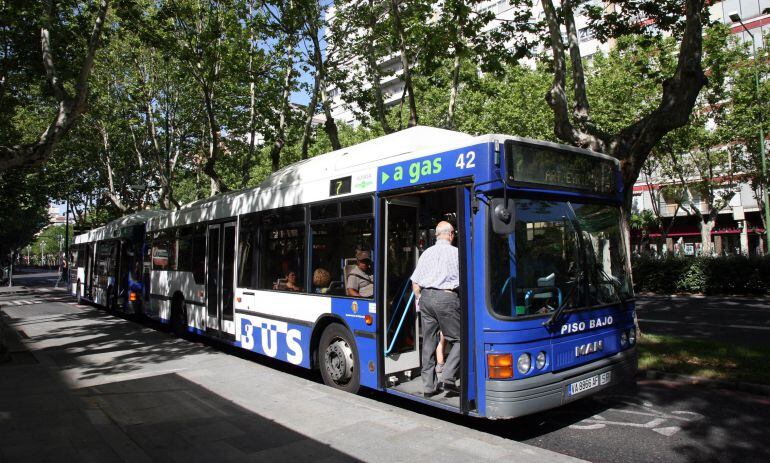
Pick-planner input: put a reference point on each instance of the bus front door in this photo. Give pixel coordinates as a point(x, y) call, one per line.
point(400, 322)
point(220, 264)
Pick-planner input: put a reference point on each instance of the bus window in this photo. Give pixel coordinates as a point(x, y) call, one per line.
point(199, 255)
point(284, 249)
point(247, 245)
point(561, 254)
point(162, 251)
point(184, 249)
point(335, 245)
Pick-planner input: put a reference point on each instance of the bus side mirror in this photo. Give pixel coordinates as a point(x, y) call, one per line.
point(502, 215)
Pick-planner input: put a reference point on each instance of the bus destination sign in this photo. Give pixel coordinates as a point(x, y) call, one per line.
point(548, 166)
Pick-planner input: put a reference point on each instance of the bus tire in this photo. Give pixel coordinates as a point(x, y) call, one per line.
point(179, 318)
point(338, 359)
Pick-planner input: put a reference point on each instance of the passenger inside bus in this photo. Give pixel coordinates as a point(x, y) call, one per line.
point(322, 280)
point(289, 283)
point(359, 280)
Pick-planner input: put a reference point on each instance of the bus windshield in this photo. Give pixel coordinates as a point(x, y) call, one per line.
point(561, 255)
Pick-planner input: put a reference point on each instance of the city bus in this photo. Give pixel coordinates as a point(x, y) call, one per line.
point(107, 265)
point(547, 306)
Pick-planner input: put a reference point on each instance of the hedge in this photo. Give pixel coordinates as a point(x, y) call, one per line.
point(708, 275)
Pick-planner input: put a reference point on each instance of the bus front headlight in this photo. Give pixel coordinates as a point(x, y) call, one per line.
point(623, 339)
point(524, 363)
point(540, 360)
point(632, 336)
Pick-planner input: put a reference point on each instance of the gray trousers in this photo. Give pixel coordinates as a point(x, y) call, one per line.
point(440, 310)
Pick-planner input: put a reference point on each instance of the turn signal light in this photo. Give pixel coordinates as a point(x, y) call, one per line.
point(500, 366)
point(368, 319)
point(132, 296)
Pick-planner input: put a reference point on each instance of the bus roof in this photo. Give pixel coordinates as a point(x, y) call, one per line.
point(359, 162)
point(314, 174)
point(112, 228)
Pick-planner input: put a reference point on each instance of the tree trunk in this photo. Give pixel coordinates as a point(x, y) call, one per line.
point(453, 92)
point(280, 135)
point(374, 73)
point(249, 159)
point(69, 107)
point(215, 139)
point(632, 144)
point(407, 72)
point(706, 226)
point(330, 126)
point(311, 107)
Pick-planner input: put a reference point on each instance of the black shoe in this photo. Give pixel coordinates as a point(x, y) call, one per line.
point(428, 395)
point(450, 387)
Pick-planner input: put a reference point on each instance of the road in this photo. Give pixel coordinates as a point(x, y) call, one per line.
point(158, 397)
point(735, 319)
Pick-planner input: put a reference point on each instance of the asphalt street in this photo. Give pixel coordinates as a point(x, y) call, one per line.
point(161, 398)
point(730, 319)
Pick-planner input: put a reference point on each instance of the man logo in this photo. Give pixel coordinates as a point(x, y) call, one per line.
point(354, 307)
point(589, 348)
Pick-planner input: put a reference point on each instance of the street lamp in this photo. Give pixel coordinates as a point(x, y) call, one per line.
point(735, 17)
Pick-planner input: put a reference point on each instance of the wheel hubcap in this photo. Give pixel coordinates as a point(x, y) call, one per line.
point(339, 361)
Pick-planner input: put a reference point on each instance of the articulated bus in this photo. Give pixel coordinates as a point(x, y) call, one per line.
point(546, 297)
point(107, 264)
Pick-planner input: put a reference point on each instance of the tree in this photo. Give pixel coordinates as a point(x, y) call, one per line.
point(23, 209)
point(66, 83)
point(698, 157)
point(573, 115)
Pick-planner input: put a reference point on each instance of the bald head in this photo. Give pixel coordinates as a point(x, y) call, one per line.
point(444, 231)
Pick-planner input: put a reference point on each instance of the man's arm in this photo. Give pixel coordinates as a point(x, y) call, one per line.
point(352, 286)
point(416, 290)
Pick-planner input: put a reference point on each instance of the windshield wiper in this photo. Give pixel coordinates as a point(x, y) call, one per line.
point(565, 302)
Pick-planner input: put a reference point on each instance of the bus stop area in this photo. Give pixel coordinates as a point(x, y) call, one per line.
point(82, 385)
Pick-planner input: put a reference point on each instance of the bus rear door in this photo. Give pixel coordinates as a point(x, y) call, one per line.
point(220, 280)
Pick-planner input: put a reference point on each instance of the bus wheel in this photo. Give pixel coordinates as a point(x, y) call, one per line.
point(179, 318)
point(339, 359)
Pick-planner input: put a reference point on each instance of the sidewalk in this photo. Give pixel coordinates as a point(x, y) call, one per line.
point(97, 388)
point(40, 418)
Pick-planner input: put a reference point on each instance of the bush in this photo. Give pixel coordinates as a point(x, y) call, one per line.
point(709, 275)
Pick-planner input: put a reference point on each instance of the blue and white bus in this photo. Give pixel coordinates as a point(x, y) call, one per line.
point(546, 295)
point(107, 264)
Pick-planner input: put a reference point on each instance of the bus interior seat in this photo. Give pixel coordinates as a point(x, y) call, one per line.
point(336, 288)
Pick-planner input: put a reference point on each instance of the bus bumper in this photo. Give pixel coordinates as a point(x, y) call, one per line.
point(508, 399)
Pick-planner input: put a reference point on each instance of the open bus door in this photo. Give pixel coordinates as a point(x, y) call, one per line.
point(401, 328)
point(220, 279)
point(408, 227)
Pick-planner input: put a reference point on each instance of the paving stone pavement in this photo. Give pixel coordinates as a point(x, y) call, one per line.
point(86, 386)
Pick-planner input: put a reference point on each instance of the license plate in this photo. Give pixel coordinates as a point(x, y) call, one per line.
point(589, 383)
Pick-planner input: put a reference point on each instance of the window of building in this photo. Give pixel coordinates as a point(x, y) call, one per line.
point(585, 34)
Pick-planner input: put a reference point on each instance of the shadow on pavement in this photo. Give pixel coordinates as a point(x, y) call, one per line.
point(173, 419)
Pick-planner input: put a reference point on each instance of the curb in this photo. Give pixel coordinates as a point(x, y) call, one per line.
point(759, 389)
